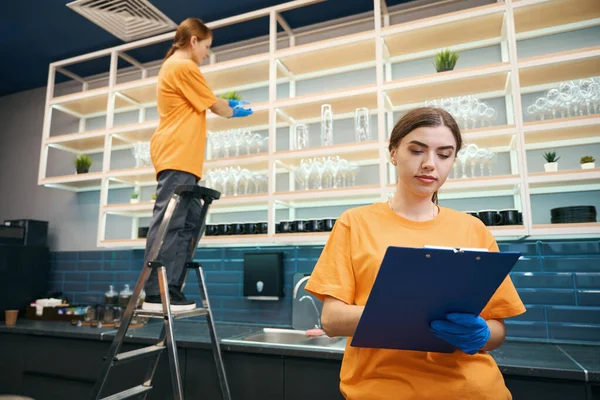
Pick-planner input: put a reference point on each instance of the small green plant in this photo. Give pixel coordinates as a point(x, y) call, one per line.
point(445, 60)
point(550, 156)
point(231, 96)
point(153, 197)
point(83, 163)
point(134, 194)
point(587, 159)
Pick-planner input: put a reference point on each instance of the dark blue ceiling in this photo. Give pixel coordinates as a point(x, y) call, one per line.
point(34, 33)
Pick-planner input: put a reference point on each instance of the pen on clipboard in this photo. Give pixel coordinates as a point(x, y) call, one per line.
point(462, 249)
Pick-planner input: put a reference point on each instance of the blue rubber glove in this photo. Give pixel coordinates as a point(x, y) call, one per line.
point(237, 103)
point(468, 332)
point(241, 112)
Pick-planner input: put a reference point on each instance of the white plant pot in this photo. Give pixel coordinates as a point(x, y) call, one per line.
point(589, 165)
point(134, 201)
point(551, 167)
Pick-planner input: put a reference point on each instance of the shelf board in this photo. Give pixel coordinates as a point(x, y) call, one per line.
point(472, 25)
point(134, 176)
point(462, 82)
point(562, 131)
point(342, 102)
point(76, 182)
point(508, 231)
point(497, 138)
point(577, 229)
point(304, 238)
point(466, 188)
point(259, 161)
point(122, 243)
point(226, 204)
point(481, 183)
point(259, 118)
point(142, 91)
point(324, 197)
point(350, 151)
point(237, 73)
point(538, 15)
point(83, 103)
point(559, 67)
point(141, 209)
point(574, 180)
point(131, 133)
point(223, 241)
point(328, 54)
point(82, 142)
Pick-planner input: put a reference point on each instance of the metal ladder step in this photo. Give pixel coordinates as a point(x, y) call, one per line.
point(176, 314)
point(129, 393)
point(138, 353)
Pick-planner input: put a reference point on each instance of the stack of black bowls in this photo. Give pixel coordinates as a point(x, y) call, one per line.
point(574, 214)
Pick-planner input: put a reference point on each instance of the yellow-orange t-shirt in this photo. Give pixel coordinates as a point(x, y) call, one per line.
point(347, 269)
point(179, 142)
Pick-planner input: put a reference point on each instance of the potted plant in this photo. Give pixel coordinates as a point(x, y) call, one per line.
point(551, 164)
point(134, 197)
point(587, 162)
point(153, 197)
point(231, 96)
point(445, 60)
point(82, 164)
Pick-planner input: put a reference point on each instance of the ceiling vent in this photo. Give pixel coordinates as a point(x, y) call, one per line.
point(126, 19)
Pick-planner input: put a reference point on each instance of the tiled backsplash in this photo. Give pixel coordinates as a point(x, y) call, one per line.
point(559, 283)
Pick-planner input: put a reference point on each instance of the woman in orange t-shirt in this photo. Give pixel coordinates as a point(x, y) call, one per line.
point(423, 146)
point(177, 149)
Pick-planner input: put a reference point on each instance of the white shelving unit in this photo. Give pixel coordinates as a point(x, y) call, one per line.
point(502, 23)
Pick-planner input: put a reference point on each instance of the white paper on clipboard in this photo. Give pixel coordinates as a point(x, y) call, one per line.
point(461, 249)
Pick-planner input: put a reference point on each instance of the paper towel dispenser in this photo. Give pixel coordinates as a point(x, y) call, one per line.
point(263, 276)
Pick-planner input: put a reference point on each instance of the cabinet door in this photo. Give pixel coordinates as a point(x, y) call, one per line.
point(545, 389)
point(250, 376)
point(313, 379)
point(11, 363)
point(55, 363)
point(41, 387)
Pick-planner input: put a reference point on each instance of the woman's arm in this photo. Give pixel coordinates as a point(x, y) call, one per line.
point(497, 334)
point(221, 108)
point(339, 318)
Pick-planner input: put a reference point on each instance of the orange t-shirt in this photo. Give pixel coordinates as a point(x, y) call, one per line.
point(347, 270)
point(179, 142)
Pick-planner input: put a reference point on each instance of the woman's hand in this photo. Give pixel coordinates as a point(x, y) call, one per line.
point(470, 333)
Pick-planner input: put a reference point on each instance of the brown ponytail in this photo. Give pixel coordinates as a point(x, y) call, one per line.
point(185, 31)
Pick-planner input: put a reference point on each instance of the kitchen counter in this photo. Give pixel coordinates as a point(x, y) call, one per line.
point(518, 358)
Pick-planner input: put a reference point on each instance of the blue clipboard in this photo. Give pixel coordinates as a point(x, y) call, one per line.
point(415, 286)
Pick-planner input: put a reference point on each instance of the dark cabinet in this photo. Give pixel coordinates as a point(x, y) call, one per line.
point(47, 368)
point(250, 376)
point(51, 368)
point(545, 389)
point(312, 379)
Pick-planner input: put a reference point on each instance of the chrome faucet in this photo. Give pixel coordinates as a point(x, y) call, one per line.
point(318, 324)
point(297, 287)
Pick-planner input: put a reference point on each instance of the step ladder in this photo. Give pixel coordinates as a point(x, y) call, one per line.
point(166, 339)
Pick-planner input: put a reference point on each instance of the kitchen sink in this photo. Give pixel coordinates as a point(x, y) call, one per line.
point(289, 337)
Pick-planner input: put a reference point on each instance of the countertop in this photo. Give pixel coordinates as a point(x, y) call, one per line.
point(531, 359)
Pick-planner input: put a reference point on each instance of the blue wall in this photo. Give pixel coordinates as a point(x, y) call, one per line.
point(560, 284)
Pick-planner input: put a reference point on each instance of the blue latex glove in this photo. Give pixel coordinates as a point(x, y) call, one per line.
point(241, 112)
point(468, 332)
point(237, 103)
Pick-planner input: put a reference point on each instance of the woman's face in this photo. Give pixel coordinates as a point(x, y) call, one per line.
point(423, 159)
point(200, 49)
